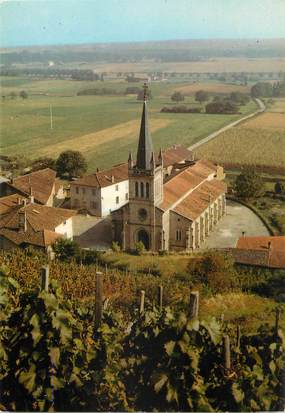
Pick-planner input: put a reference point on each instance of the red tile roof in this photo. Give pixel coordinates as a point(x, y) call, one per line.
point(41, 223)
point(186, 180)
point(176, 154)
point(256, 251)
point(9, 202)
point(197, 201)
point(102, 179)
point(42, 184)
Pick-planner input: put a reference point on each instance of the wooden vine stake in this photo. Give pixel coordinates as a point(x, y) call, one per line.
point(142, 297)
point(194, 304)
point(227, 352)
point(98, 299)
point(238, 336)
point(106, 269)
point(277, 319)
point(160, 297)
point(44, 278)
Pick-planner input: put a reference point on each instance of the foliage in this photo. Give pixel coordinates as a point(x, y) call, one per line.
point(249, 184)
point(201, 96)
point(267, 89)
point(116, 247)
point(214, 270)
point(239, 98)
point(180, 109)
point(139, 248)
point(177, 97)
point(51, 359)
point(23, 94)
point(225, 107)
point(71, 163)
point(65, 249)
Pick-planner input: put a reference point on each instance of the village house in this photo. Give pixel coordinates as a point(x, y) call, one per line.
point(102, 192)
point(263, 251)
point(168, 211)
point(31, 224)
point(42, 185)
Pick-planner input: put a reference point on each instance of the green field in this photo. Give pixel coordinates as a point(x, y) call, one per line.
point(25, 124)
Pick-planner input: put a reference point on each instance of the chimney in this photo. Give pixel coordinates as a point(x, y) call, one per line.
point(243, 233)
point(97, 170)
point(112, 179)
point(19, 201)
point(23, 220)
point(269, 245)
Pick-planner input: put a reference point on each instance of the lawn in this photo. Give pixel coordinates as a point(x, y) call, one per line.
point(25, 127)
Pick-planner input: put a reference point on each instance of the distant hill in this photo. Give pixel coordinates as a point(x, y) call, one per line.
point(159, 51)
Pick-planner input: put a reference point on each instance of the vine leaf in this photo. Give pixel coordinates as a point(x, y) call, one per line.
point(160, 383)
point(169, 347)
point(237, 393)
point(54, 355)
point(27, 379)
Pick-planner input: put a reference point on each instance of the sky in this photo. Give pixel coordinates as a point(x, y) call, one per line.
point(49, 22)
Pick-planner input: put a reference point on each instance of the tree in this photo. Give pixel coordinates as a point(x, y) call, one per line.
point(140, 95)
point(177, 97)
point(239, 98)
point(23, 94)
point(213, 270)
point(13, 95)
point(71, 163)
point(43, 162)
point(201, 96)
point(221, 107)
point(65, 249)
point(262, 89)
point(249, 184)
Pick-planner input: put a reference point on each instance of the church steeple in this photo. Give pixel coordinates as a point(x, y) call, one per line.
point(145, 148)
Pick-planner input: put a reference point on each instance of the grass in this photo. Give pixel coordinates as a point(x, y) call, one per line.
point(26, 123)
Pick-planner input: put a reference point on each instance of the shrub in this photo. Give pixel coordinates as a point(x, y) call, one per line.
point(249, 184)
point(214, 270)
point(139, 248)
point(115, 247)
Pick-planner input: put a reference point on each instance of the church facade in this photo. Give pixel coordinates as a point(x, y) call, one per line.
point(168, 212)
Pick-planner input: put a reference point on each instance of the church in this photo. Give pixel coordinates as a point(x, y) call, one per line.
point(175, 211)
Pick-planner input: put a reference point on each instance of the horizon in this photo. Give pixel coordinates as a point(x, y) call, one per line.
point(30, 23)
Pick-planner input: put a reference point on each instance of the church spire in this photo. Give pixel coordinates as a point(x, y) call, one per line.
point(145, 148)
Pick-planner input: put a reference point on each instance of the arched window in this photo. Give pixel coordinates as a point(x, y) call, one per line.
point(147, 190)
point(142, 190)
point(178, 235)
point(137, 189)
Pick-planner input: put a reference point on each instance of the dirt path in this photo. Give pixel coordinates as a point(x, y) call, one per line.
point(230, 125)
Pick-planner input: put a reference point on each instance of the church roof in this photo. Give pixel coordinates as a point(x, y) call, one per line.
point(197, 201)
point(145, 148)
point(176, 154)
point(185, 181)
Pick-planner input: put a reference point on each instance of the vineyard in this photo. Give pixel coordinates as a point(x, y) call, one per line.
point(84, 354)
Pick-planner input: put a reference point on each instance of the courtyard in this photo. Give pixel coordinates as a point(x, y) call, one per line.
point(238, 218)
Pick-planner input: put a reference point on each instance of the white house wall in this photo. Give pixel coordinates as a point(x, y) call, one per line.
point(109, 196)
point(65, 228)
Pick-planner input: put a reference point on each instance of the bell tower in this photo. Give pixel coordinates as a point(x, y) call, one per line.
point(145, 185)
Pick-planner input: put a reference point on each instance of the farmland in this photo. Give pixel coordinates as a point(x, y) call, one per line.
point(259, 141)
point(94, 124)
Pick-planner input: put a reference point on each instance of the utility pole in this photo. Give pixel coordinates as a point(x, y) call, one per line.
point(50, 111)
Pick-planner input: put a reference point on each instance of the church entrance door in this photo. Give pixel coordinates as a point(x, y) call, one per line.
point(144, 238)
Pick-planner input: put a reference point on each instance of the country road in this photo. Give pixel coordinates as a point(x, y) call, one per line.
point(230, 125)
